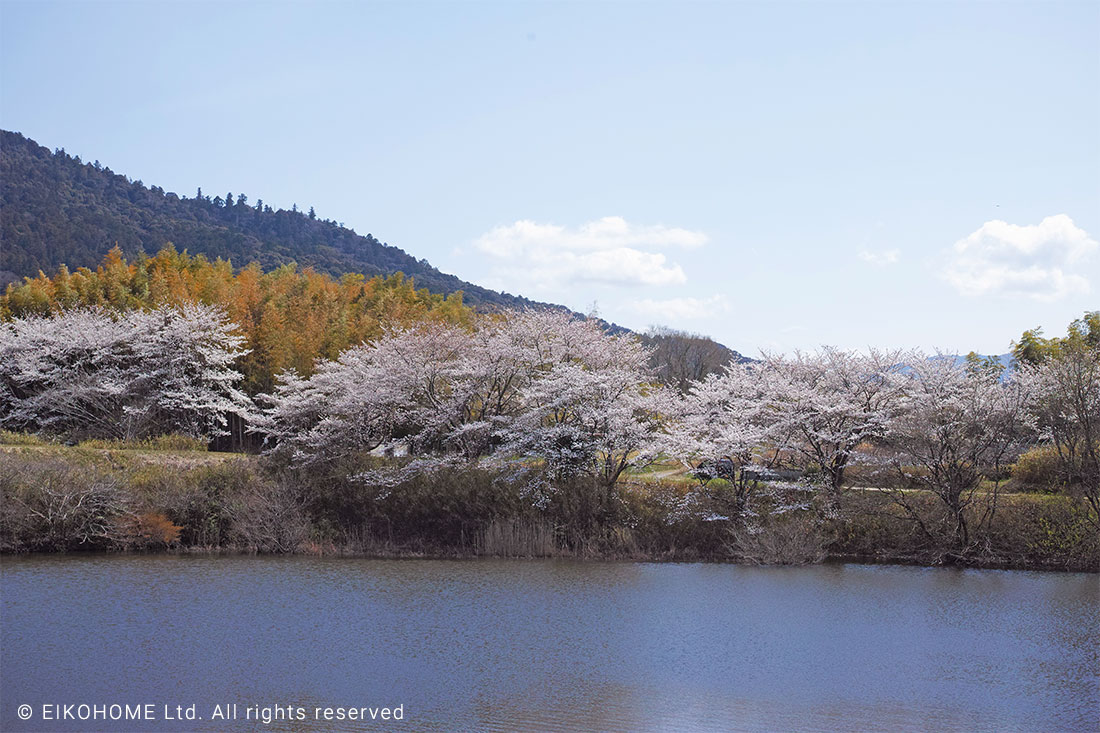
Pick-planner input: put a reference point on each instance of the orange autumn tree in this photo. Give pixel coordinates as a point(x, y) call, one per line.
point(290, 317)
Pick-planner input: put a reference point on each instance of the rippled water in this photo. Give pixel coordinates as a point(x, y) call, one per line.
point(551, 645)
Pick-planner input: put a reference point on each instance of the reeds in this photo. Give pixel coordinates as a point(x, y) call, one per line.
point(518, 538)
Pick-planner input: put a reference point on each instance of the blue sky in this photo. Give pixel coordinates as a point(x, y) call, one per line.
point(777, 175)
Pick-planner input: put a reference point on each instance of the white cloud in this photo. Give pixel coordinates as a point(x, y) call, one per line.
point(683, 308)
point(1044, 261)
point(608, 250)
point(888, 257)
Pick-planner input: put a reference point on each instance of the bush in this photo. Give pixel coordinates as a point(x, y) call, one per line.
point(62, 499)
point(447, 508)
point(1025, 531)
point(1045, 531)
point(150, 530)
point(677, 520)
point(1038, 469)
point(50, 504)
point(270, 517)
point(795, 538)
point(874, 474)
point(199, 500)
point(872, 527)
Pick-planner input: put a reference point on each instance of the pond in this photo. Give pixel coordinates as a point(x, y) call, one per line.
point(144, 642)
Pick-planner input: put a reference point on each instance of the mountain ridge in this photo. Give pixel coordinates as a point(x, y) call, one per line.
point(57, 209)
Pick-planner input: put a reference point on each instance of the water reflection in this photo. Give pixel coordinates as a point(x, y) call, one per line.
point(554, 645)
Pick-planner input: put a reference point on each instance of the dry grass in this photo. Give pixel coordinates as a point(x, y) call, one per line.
point(518, 538)
point(7, 437)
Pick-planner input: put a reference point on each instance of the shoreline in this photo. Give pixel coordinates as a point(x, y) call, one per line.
point(833, 559)
point(198, 503)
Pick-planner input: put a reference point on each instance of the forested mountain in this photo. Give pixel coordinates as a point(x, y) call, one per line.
point(56, 209)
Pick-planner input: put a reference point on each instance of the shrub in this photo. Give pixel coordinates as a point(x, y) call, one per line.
point(676, 519)
point(270, 517)
point(150, 530)
point(49, 504)
point(796, 538)
point(197, 499)
point(1038, 469)
point(1045, 531)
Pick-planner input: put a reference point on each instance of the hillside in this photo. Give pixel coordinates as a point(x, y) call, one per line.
point(56, 209)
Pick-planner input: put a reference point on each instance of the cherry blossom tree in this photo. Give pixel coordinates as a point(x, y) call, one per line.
point(427, 386)
point(718, 428)
point(954, 424)
point(530, 386)
point(68, 374)
point(92, 373)
point(822, 405)
point(421, 367)
point(587, 421)
point(184, 378)
point(581, 398)
point(1064, 387)
point(352, 404)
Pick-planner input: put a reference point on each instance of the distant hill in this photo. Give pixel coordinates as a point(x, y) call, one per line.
point(56, 209)
point(1006, 361)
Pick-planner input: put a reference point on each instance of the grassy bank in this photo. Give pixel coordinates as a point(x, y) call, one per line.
point(171, 496)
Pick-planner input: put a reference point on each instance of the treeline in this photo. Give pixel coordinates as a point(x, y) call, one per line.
point(292, 317)
point(57, 209)
point(774, 444)
point(288, 317)
point(680, 358)
point(526, 423)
